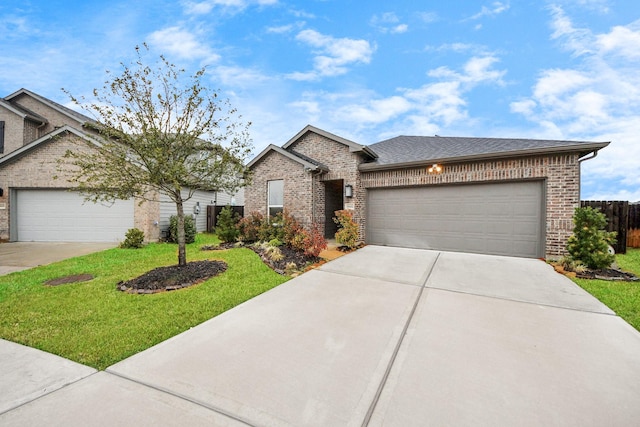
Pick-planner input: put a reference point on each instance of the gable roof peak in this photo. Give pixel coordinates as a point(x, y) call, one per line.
point(354, 147)
point(75, 115)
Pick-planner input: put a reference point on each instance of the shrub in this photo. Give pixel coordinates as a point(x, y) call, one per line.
point(348, 233)
point(133, 239)
point(275, 243)
point(314, 242)
point(272, 228)
point(275, 254)
point(227, 225)
point(291, 228)
point(590, 242)
point(189, 229)
point(249, 227)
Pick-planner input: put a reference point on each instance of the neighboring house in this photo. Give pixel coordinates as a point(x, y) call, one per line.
point(500, 196)
point(35, 201)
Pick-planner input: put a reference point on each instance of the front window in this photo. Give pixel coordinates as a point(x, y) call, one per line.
point(275, 197)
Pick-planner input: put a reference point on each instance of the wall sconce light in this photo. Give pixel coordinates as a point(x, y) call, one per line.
point(348, 190)
point(435, 168)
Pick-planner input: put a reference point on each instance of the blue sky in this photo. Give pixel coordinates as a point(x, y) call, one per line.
point(367, 70)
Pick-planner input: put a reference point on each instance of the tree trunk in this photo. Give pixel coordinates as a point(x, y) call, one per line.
point(182, 250)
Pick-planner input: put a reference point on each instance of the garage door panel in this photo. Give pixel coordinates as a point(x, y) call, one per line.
point(58, 215)
point(495, 218)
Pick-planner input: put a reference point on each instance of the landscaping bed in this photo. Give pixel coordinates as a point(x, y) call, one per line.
point(291, 262)
point(608, 274)
point(174, 277)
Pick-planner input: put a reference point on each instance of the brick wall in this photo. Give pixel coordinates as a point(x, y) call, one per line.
point(38, 168)
point(342, 164)
point(13, 131)
point(297, 187)
point(560, 172)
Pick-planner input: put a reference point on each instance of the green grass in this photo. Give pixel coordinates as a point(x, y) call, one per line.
point(621, 297)
point(94, 324)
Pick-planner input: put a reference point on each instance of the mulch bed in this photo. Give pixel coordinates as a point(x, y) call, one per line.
point(608, 274)
point(290, 255)
point(173, 277)
point(69, 279)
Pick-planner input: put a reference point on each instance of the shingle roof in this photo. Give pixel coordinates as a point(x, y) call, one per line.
point(418, 150)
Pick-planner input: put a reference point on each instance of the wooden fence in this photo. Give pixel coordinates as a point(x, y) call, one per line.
point(617, 213)
point(213, 212)
point(633, 229)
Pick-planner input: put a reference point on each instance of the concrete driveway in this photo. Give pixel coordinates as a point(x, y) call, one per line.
point(380, 337)
point(17, 256)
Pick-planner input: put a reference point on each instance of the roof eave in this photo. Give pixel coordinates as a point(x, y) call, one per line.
point(22, 114)
point(307, 165)
point(49, 104)
point(26, 148)
point(354, 147)
point(583, 149)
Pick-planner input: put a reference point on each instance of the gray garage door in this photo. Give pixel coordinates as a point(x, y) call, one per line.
point(62, 216)
point(497, 218)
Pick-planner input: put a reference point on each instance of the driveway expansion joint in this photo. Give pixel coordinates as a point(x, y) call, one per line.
point(184, 397)
point(521, 301)
point(396, 350)
point(47, 393)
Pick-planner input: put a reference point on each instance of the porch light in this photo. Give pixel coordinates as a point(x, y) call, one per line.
point(435, 168)
point(348, 190)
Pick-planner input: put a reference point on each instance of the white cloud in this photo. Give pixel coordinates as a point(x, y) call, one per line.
point(333, 55)
point(621, 41)
point(496, 8)
point(238, 77)
point(427, 17)
point(598, 99)
point(423, 110)
point(13, 26)
point(375, 111)
point(601, 6)
point(182, 43)
point(205, 7)
point(388, 23)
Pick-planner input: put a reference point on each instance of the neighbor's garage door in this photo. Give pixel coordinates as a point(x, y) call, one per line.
point(497, 218)
point(63, 216)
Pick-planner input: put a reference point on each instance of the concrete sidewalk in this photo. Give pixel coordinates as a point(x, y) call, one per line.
point(381, 336)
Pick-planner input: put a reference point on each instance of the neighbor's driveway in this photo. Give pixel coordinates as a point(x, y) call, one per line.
point(382, 336)
point(16, 256)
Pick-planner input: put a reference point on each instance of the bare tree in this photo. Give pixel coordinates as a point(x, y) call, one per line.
point(163, 132)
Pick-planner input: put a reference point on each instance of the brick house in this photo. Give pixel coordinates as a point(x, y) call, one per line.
point(484, 195)
point(35, 201)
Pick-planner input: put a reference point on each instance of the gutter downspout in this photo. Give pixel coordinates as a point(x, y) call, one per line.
point(593, 156)
point(595, 153)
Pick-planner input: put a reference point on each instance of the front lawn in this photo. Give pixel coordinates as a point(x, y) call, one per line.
point(621, 297)
point(94, 324)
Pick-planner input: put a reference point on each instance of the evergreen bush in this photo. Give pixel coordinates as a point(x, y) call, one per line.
point(189, 229)
point(590, 242)
point(227, 225)
point(133, 239)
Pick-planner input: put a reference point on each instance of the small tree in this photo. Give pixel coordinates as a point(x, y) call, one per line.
point(227, 225)
point(162, 132)
point(590, 242)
